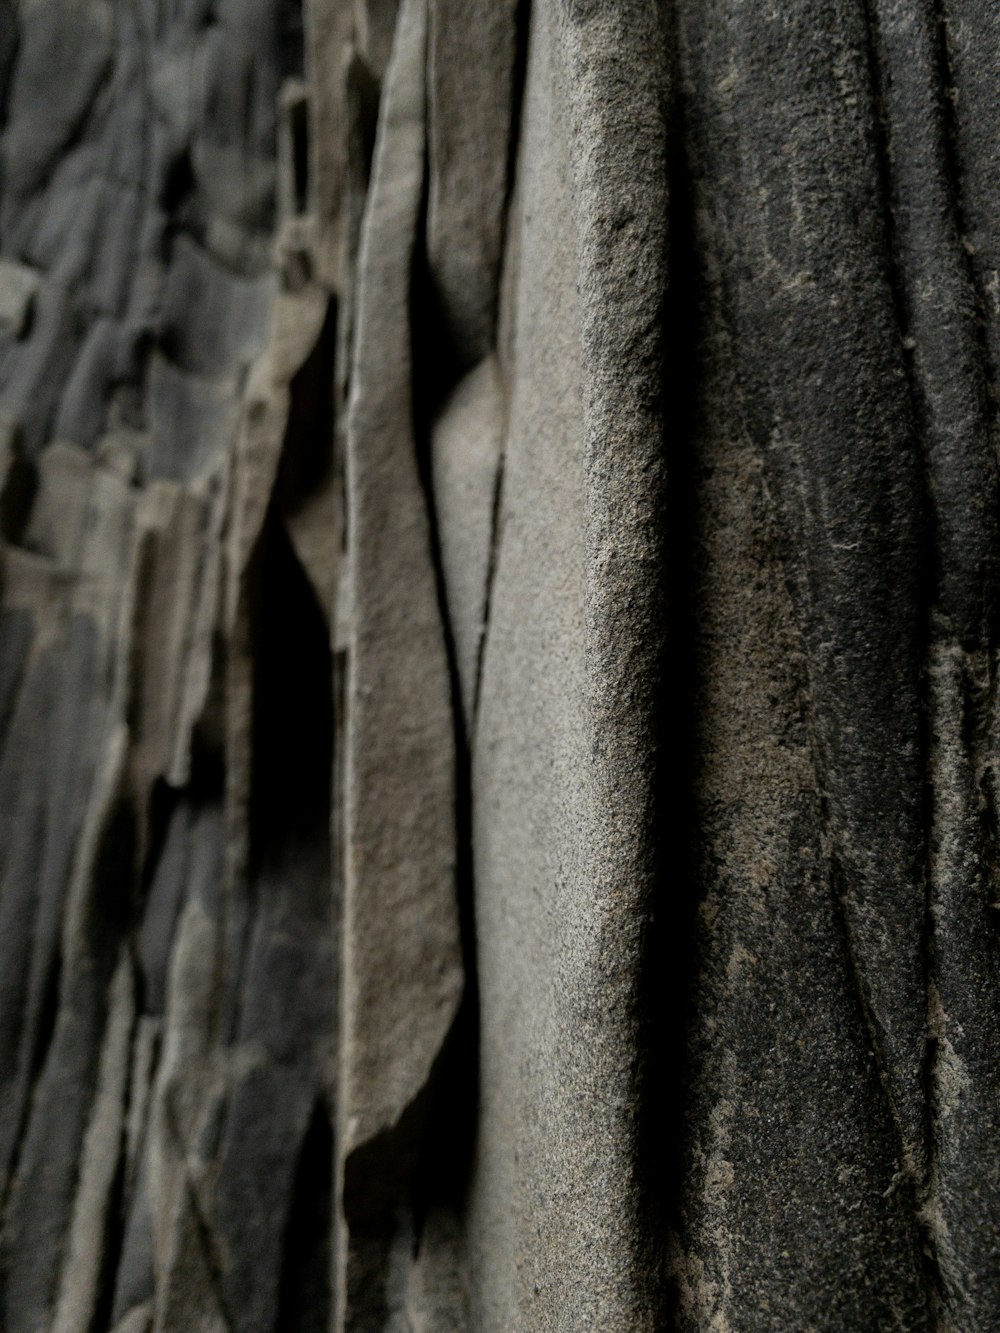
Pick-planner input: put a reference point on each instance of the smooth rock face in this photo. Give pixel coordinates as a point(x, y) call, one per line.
point(499, 727)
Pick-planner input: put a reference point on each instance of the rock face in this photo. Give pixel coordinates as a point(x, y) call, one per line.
point(499, 724)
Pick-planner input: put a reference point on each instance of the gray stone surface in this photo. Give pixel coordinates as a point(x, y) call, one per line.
point(499, 727)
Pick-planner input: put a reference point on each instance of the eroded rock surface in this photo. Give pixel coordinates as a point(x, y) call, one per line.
point(498, 666)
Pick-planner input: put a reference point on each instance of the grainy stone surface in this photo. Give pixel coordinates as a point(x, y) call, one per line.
point(498, 670)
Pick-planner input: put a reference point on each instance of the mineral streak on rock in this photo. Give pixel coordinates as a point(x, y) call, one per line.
point(499, 576)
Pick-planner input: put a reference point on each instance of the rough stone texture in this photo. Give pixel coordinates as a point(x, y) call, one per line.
point(499, 727)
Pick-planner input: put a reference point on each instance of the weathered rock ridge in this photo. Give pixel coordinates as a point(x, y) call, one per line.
point(499, 725)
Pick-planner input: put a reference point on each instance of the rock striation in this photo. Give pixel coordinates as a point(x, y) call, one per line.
point(499, 723)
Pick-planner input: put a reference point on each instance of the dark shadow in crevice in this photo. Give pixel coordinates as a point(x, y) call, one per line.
point(305, 1296)
point(307, 454)
point(362, 96)
point(298, 127)
point(671, 963)
point(381, 1176)
point(109, 903)
point(291, 39)
point(10, 39)
point(112, 1242)
point(290, 742)
point(518, 84)
point(178, 184)
point(47, 1015)
point(17, 495)
point(292, 707)
point(444, 1158)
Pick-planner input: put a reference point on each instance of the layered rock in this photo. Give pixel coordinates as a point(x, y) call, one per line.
point(497, 665)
